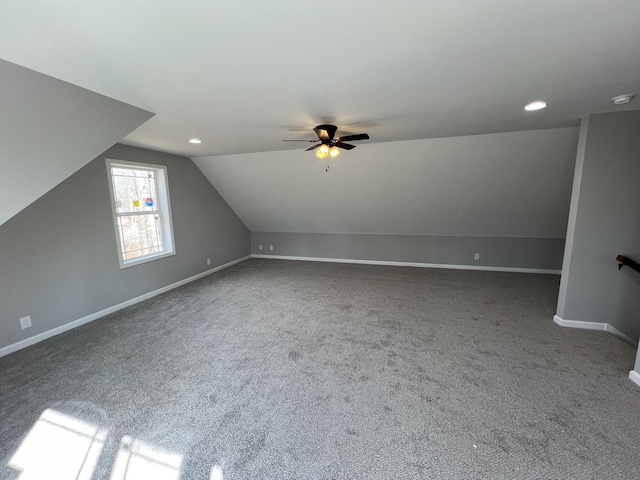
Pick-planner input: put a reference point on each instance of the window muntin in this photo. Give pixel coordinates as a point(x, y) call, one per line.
point(141, 212)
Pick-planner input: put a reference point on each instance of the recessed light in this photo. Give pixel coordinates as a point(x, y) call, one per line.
point(195, 140)
point(537, 105)
point(622, 99)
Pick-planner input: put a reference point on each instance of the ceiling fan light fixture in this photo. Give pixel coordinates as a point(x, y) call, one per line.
point(322, 151)
point(334, 152)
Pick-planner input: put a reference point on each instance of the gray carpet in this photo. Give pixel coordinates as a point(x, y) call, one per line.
point(296, 370)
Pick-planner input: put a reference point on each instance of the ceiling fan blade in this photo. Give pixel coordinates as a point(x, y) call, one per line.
point(299, 140)
point(313, 148)
point(325, 132)
point(359, 136)
point(346, 146)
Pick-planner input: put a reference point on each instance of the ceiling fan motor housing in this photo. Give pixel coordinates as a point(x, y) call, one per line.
point(326, 133)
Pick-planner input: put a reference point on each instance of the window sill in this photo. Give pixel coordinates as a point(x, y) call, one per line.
point(147, 258)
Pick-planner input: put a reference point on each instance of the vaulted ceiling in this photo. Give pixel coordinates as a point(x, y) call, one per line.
point(242, 76)
point(515, 184)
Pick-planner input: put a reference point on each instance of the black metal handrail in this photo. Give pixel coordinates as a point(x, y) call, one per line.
point(628, 262)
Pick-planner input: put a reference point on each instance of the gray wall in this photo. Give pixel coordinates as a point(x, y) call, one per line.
point(534, 253)
point(58, 257)
point(49, 129)
point(604, 222)
point(505, 196)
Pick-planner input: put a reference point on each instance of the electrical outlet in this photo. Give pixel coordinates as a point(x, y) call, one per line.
point(476, 256)
point(208, 261)
point(270, 247)
point(260, 247)
point(25, 322)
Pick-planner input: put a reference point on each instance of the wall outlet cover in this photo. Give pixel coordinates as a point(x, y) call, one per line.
point(25, 322)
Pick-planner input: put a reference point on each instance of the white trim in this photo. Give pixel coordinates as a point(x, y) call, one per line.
point(605, 327)
point(579, 324)
point(14, 347)
point(635, 377)
point(410, 264)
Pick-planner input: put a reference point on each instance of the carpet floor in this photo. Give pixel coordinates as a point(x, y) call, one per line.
point(298, 370)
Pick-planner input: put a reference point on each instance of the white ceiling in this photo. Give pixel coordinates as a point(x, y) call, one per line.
point(244, 75)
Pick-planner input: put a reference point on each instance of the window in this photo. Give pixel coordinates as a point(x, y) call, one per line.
point(141, 211)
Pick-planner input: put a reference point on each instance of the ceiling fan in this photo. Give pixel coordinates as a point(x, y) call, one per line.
point(328, 144)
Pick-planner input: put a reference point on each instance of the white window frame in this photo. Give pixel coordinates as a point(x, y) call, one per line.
point(163, 203)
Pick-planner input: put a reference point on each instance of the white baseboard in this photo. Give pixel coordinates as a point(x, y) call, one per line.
point(14, 347)
point(410, 264)
point(635, 377)
point(605, 327)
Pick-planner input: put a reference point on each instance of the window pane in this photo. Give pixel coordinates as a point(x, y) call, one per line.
point(140, 235)
point(134, 189)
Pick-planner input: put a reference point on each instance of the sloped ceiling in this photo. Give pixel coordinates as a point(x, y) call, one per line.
point(48, 130)
point(244, 75)
point(513, 184)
